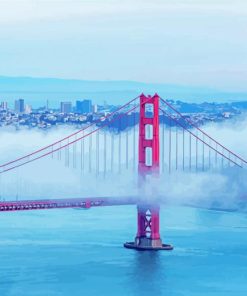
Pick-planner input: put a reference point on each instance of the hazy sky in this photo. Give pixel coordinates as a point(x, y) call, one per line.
point(196, 42)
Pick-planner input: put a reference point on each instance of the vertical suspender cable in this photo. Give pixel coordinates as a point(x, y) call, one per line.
point(170, 143)
point(209, 155)
point(127, 147)
point(216, 155)
point(68, 160)
point(67, 156)
point(112, 152)
point(119, 147)
point(183, 149)
point(90, 154)
point(196, 150)
point(134, 142)
point(1, 187)
point(176, 147)
point(105, 153)
point(97, 153)
point(163, 147)
point(81, 154)
point(74, 153)
point(60, 152)
point(203, 153)
point(190, 150)
point(222, 158)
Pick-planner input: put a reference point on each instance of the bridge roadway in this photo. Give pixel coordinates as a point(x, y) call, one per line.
point(84, 203)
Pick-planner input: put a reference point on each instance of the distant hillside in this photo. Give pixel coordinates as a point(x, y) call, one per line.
point(40, 89)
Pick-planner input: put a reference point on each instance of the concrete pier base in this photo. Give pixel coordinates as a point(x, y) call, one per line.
point(148, 244)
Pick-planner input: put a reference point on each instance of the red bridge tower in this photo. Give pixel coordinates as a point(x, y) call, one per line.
point(148, 236)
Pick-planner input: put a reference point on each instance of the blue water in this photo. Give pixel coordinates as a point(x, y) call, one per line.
point(79, 252)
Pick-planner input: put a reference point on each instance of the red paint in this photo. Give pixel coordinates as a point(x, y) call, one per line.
point(6, 169)
point(148, 215)
point(200, 130)
point(143, 142)
point(27, 205)
point(148, 222)
point(177, 122)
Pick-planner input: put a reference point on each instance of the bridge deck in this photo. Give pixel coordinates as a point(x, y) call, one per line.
point(46, 204)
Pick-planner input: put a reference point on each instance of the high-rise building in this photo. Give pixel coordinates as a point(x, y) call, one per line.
point(84, 106)
point(95, 108)
point(28, 109)
point(19, 106)
point(4, 106)
point(66, 107)
point(79, 106)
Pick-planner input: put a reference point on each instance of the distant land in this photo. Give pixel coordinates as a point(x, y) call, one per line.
point(36, 91)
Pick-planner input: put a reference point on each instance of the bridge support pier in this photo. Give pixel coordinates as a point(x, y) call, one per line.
point(148, 236)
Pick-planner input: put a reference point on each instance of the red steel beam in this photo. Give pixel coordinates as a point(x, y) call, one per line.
point(46, 204)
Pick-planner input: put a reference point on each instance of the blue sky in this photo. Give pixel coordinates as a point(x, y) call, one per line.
point(193, 42)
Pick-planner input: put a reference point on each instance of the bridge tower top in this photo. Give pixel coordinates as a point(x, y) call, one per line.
point(149, 118)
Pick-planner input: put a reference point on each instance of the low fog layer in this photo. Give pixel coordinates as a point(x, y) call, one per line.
point(55, 178)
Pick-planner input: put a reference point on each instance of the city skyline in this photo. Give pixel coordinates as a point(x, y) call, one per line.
point(123, 125)
point(80, 106)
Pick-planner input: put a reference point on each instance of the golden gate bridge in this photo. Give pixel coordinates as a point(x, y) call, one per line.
point(167, 141)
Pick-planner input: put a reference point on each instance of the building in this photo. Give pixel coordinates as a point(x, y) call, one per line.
point(66, 107)
point(84, 106)
point(226, 114)
point(28, 109)
point(95, 108)
point(4, 106)
point(19, 106)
